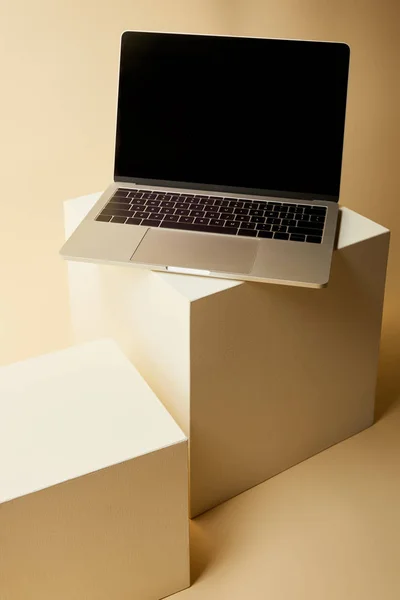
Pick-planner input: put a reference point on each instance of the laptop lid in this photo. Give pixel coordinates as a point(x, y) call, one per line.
point(262, 116)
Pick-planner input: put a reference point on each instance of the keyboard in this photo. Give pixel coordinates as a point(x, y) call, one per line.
point(216, 214)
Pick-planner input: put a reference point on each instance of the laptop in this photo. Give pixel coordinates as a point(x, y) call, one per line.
point(228, 159)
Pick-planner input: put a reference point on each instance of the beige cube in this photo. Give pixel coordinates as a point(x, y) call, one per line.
point(93, 481)
point(260, 377)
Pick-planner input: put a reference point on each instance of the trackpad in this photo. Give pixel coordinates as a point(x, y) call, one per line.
point(201, 251)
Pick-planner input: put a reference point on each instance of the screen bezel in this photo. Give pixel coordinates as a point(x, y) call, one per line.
point(223, 188)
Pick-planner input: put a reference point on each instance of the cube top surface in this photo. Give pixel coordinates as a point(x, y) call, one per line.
point(73, 412)
point(354, 228)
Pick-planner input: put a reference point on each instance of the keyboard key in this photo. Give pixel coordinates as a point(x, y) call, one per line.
point(317, 218)
point(182, 205)
point(243, 218)
point(172, 218)
point(196, 213)
point(231, 223)
point(299, 209)
point(156, 216)
point(182, 212)
point(279, 228)
point(221, 202)
point(167, 204)
point(226, 216)
point(284, 208)
point(247, 232)
point(120, 200)
point(227, 210)
point(117, 205)
point(133, 221)
point(153, 203)
point(289, 222)
point(117, 212)
point(136, 206)
point(281, 236)
point(301, 217)
point(241, 211)
point(264, 227)
point(122, 193)
point(290, 215)
point(271, 213)
point(273, 221)
point(297, 238)
point(265, 234)
point(236, 203)
point(314, 239)
point(186, 219)
point(247, 225)
point(301, 230)
point(219, 223)
point(202, 221)
point(195, 207)
point(201, 228)
point(212, 215)
point(118, 219)
point(251, 205)
point(167, 211)
point(151, 222)
point(257, 220)
point(141, 215)
point(256, 213)
point(312, 225)
point(104, 218)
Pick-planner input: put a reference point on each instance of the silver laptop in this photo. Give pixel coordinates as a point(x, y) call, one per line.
point(227, 160)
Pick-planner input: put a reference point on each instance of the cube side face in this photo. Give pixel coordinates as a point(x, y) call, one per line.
point(279, 374)
point(117, 533)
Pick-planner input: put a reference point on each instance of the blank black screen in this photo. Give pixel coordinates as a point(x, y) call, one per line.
point(232, 112)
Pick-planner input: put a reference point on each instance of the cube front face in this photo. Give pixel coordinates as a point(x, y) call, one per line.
point(279, 374)
point(121, 532)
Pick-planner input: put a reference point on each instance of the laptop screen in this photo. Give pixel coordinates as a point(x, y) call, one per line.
point(232, 113)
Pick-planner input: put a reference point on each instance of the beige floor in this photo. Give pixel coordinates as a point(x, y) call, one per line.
point(329, 528)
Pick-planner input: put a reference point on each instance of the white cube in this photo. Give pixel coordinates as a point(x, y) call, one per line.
point(259, 376)
point(93, 481)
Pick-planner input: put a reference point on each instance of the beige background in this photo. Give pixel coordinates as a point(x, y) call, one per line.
point(330, 527)
point(58, 62)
